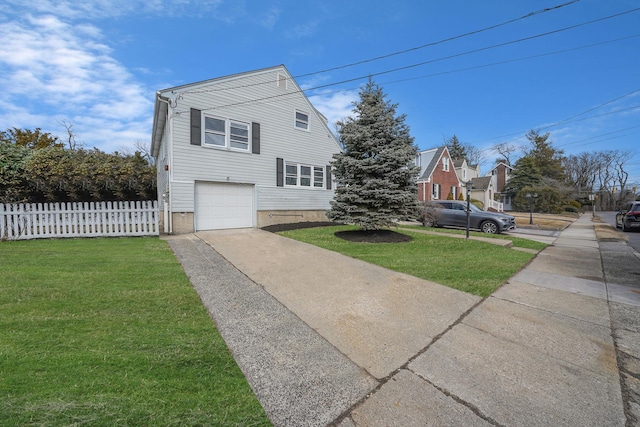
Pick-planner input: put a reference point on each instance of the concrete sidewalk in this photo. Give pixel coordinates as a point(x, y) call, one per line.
point(326, 339)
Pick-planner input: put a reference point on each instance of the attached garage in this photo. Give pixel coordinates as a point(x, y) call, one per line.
point(223, 205)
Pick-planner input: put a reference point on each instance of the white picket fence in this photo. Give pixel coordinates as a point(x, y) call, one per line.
point(90, 219)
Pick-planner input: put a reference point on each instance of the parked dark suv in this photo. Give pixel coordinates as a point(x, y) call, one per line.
point(628, 218)
point(453, 213)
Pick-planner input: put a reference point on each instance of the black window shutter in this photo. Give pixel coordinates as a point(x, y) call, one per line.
point(196, 126)
point(255, 138)
point(280, 172)
point(328, 173)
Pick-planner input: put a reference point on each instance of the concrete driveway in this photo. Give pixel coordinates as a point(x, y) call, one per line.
point(328, 340)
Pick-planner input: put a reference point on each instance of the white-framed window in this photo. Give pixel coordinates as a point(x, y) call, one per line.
point(226, 133)
point(215, 131)
point(298, 175)
point(445, 164)
point(464, 174)
point(454, 191)
point(281, 81)
point(318, 177)
point(435, 191)
point(239, 135)
point(291, 177)
point(302, 120)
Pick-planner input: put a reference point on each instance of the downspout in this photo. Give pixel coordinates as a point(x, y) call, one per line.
point(169, 164)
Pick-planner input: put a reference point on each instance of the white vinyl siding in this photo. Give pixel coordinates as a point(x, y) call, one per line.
point(279, 198)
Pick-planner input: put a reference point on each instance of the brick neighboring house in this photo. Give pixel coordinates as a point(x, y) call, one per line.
point(437, 178)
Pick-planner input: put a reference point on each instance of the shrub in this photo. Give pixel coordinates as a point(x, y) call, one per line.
point(450, 196)
point(576, 203)
point(460, 196)
point(570, 208)
point(478, 203)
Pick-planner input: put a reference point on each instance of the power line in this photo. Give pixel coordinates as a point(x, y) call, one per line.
point(510, 61)
point(401, 52)
point(569, 119)
point(440, 41)
point(599, 136)
point(420, 63)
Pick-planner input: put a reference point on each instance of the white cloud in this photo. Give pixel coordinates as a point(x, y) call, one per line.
point(56, 70)
point(72, 9)
point(334, 105)
point(269, 19)
point(303, 30)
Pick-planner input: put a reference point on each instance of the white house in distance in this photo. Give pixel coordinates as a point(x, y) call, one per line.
point(500, 175)
point(482, 188)
point(245, 150)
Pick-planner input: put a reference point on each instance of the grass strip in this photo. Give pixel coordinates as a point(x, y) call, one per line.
point(107, 332)
point(471, 266)
point(518, 242)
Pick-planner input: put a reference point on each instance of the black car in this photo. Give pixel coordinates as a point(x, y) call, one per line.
point(453, 213)
point(628, 218)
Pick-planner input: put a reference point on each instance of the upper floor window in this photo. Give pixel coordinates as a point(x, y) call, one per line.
point(302, 120)
point(445, 164)
point(281, 81)
point(224, 133)
point(239, 135)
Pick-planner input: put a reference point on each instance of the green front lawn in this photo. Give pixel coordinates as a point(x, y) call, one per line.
point(105, 332)
point(468, 265)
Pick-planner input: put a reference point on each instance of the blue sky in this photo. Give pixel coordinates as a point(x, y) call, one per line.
point(97, 64)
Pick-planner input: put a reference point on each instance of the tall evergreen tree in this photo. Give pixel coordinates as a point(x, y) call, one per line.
point(375, 174)
point(456, 150)
point(525, 174)
point(547, 159)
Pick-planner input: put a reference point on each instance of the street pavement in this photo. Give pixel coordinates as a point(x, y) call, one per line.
point(325, 339)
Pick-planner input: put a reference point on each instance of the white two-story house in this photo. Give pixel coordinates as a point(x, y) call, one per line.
point(245, 150)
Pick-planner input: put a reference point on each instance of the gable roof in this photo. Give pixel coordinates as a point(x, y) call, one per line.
point(481, 183)
point(433, 158)
point(458, 163)
point(496, 167)
point(220, 79)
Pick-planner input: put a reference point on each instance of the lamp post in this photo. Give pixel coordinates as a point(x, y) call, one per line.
point(468, 185)
point(530, 198)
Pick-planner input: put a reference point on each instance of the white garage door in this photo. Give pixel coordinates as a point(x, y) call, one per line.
point(222, 205)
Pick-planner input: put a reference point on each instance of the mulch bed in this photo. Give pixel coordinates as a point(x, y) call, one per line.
point(358, 236)
point(373, 236)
